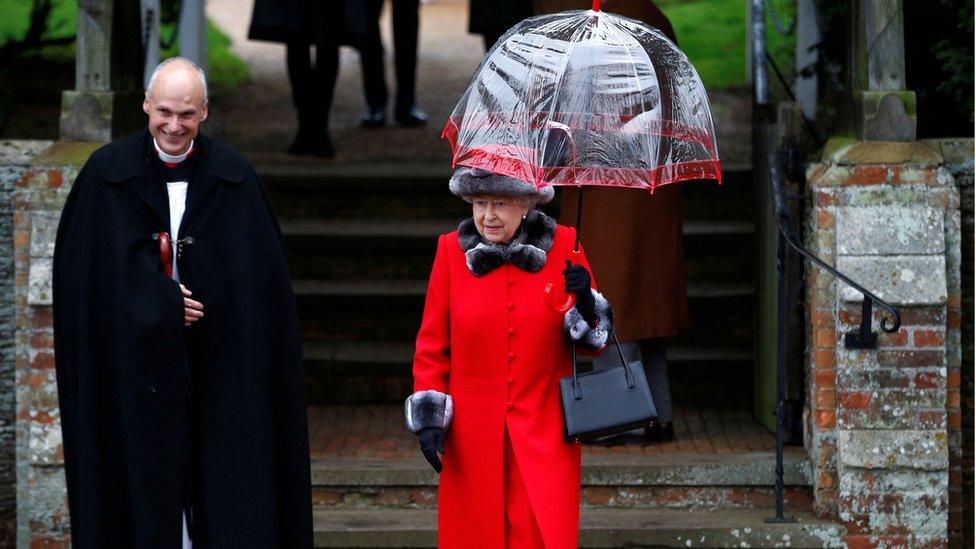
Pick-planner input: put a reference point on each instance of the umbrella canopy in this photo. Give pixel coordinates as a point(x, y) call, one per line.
point(586, 98)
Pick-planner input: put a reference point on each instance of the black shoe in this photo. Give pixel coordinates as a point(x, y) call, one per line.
point(303, 144)
point(306, 145)
point(659, 432)
point(323, 148)
point(373, 118)
point(413, 118)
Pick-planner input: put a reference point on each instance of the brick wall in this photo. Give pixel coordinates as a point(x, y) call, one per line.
point(38, 196)
point(958, 156)
point(14, 159)
point(882, 424)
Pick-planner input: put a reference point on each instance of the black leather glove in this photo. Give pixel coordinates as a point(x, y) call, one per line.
point(578, 282)
point(432, 442)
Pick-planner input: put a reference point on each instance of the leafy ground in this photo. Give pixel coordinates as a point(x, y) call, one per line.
point(713, 35)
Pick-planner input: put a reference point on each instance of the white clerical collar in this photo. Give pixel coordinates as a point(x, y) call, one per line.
point(169, 158)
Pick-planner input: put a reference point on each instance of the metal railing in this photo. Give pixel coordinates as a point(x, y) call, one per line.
point(863, 337)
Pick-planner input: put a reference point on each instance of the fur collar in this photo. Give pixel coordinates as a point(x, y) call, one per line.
point(527, 250)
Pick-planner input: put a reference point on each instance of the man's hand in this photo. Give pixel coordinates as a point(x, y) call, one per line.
point(192, 310)
point(432, 443)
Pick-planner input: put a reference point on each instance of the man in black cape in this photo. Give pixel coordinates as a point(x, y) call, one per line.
point(183, 417)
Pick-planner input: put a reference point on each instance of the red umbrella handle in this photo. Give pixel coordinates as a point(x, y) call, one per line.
point(166, 254)
point(558, 300)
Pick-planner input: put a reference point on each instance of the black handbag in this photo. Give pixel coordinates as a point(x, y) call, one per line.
point(606, 402)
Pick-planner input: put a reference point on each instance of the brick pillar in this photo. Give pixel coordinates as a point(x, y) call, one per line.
point(38, 196)
point(881, 422)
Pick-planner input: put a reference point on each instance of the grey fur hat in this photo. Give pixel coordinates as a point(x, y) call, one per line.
point(467, 182)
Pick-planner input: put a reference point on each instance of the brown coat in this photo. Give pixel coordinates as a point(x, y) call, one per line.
point(633, 239)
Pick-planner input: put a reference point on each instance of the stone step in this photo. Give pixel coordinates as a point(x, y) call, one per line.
point(378, 371)
point(666, 481)
point(385, 249)
point(599, 527)
point(420, 192)
point(342, 358)
point(704, 470)
point(392, 309)
point(409, 290)
point(431, 228)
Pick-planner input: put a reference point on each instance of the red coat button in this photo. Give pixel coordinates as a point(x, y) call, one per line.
point(511, 381)
point(511, 357)
point(509, 283)
point(509, 406)
point(511, 306)
point(511, 331)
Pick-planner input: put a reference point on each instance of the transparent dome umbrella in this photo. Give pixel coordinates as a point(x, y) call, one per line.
point(586, 98)
point(631, 102)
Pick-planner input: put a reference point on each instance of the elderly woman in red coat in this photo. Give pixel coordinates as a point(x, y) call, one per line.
point(488, 361)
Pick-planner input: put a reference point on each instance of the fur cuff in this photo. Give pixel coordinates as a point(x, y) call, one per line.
point(428, 409)
point(579, 330)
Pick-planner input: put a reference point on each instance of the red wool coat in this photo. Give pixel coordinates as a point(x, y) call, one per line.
point(491, 343)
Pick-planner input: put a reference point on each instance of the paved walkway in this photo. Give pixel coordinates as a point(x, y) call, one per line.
point(260, 121)
point(377, 431)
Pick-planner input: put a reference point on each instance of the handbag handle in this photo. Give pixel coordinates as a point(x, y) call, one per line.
point(578, 393)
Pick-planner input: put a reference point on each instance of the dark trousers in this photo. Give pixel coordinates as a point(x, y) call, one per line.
point(406, 23)
point(313, 84)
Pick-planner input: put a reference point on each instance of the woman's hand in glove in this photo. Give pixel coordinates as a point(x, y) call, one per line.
point(432, 443)
point(578, 282)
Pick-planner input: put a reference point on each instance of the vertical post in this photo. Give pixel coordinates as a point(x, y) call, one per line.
point(767, 172)
point(108, 71)
point(93, 61)
point(757, 41)
point(150, 34)
point(193, 32)
point(807, 38)
point(884, 109)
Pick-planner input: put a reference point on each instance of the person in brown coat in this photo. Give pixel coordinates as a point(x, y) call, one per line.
point(634, 244)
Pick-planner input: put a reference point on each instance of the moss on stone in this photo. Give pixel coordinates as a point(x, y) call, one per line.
point(851, 152)
point(63, 153)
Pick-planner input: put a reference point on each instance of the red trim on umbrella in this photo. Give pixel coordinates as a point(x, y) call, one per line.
point(499, 159)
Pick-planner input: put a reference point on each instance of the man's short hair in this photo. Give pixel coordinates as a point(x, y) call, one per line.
point(185, 63)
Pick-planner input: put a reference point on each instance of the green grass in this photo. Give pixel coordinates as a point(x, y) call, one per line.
point(713, 35)
point(225, 71)
point(16, 18)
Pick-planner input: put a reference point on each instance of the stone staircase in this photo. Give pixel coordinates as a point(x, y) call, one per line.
point(361, 242)
point(634, 501)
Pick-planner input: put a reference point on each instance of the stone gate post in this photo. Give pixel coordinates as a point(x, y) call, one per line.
point(881, 423)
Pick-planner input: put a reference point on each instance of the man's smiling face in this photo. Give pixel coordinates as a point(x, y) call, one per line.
point(176, 106)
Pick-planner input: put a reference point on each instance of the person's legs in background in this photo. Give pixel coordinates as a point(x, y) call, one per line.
point(491, 38)
point(374, 78)
point(654, 353)
point(406, 26)
point(326, 74)
point(299, 62)
point(312, 89)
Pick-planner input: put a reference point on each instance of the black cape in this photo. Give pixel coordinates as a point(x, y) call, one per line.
point(135, 385)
